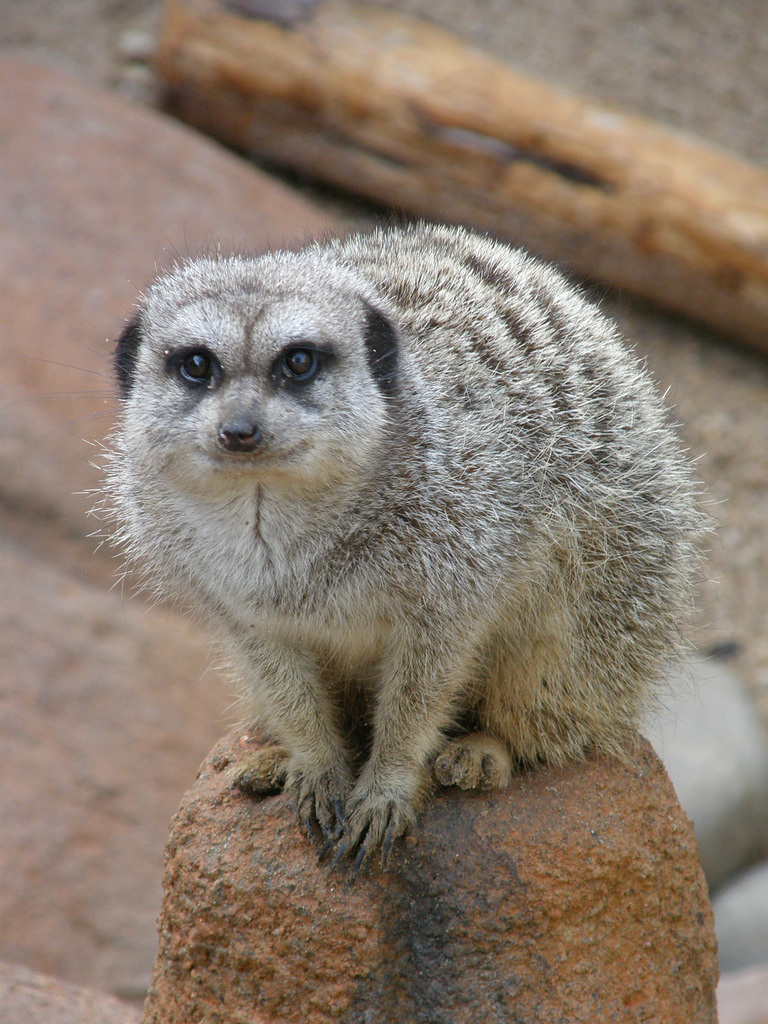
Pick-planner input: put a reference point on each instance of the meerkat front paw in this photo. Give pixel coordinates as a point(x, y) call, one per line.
point(475, 761)
point(374, 824)
point(262, 771)
point(320, 799)
point(378, 814)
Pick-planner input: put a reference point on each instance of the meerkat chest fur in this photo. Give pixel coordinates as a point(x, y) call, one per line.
point(420, 462)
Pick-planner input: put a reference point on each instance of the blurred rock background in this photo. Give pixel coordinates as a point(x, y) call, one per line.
point(106, 708)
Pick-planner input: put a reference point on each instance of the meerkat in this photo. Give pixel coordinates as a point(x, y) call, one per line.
point(431, 499)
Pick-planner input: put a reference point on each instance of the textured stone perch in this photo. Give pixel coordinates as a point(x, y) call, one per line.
point(409, 115)
point(576, 895)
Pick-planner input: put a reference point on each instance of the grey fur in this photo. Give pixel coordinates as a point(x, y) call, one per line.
point(501, 540)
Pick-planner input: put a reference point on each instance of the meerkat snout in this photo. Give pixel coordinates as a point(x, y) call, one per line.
point(239, 435)
point(466, 534)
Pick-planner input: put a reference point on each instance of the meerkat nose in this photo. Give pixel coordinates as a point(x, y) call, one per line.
point(239, 435)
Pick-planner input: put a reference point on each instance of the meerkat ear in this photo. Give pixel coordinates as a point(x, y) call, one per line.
point(381, 346)
point(126, 350)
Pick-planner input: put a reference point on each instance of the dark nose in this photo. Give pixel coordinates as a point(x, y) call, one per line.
point(239, 435)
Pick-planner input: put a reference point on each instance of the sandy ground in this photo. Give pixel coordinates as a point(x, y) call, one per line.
point(699, 65)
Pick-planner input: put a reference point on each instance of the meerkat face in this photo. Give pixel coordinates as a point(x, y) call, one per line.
point(229, 374)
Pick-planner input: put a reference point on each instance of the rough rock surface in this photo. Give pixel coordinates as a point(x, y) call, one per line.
point(104, 711)
point(574, 896)
point(29, 998)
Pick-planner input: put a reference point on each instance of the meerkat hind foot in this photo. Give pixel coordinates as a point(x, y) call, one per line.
point(263, 771)
point(474, 761)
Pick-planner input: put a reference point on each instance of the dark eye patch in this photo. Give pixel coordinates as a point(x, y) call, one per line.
point(126, 352)
point(381, 348)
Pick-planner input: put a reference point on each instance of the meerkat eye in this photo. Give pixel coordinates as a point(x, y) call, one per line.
point(300, 364)
point(196, 367)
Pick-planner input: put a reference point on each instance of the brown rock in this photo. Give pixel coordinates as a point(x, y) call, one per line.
point(105, 707)
point(574, 896)
point(26, 997)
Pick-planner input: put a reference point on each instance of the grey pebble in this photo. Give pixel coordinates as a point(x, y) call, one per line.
point(712, 743)
point(136, 46)
point(741, 920)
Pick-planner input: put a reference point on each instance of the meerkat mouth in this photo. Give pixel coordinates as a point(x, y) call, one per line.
point(261, 456)
point(276, 465)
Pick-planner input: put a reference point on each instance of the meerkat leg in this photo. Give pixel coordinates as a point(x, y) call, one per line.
point(284, 685)
point(474, 761)
point(415, 703)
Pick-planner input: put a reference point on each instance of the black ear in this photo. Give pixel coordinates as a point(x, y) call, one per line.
point(126, 350)
point(381, 347)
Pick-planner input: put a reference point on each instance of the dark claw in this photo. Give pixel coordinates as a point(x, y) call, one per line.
point(386, 846)
point(328, 833)
point(309, 825)
point(326, 849)
point(338, 808)
point(341, 852)
point(362, 853)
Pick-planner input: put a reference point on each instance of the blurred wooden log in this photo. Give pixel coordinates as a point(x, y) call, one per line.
point(406, 114)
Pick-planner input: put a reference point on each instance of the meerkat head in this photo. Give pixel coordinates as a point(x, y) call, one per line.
point(280, 368)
